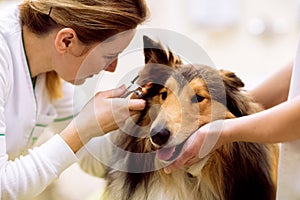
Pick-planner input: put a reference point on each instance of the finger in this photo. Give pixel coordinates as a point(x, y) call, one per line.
point(180, 162)
point(187, 153)
point(192, 161)
point(134, 112)
point(116, 92)
point(175, 165)
point(136, 104)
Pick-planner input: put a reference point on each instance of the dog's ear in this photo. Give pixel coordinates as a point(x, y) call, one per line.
point(237, 103)
point(154, 52)
point(231, 80)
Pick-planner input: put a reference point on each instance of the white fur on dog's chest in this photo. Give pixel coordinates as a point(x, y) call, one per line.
point(176, 186)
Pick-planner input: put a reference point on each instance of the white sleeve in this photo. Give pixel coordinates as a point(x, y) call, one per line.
point(27, 175)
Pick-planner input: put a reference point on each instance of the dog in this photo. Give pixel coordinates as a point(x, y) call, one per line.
point(180, 99)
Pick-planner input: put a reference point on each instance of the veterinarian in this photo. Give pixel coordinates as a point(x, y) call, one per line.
point(43, 44)
point(279, 123)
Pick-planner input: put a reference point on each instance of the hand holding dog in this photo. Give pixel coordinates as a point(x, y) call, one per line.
point(105, 112)
point(200, 144)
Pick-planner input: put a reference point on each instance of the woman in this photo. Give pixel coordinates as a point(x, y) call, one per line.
point(278, 123)
point(45, 47)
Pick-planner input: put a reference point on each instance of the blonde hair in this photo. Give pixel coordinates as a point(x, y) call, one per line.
point(92, 20)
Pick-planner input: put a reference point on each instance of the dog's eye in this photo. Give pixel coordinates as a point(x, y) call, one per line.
point(163, 95)
point(197, 98)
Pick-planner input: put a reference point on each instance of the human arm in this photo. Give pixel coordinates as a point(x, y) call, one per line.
point(22, 177)
point(275, 88)
point(38, 168)
point(102, 114)
point(277, 124)
point(271, 92)
point(25, 176)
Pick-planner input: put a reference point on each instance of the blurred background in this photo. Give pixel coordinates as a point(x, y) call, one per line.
point(252, 38)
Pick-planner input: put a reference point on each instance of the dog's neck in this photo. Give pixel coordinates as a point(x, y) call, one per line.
point(195, 170)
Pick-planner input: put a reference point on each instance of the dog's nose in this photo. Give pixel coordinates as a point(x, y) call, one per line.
point(160, 137)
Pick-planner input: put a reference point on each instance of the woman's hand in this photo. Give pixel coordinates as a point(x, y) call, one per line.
point(105, 112)
point(203, 141)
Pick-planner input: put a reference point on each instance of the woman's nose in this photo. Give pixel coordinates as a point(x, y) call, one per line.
point(112, 66)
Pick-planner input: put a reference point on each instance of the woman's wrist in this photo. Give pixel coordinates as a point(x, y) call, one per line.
point(71, 137)
point(241, 129)
point(228, 134)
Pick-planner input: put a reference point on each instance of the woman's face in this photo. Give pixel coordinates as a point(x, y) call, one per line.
point(76, 68)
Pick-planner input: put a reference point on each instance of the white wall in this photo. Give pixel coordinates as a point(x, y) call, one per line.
point(251, 57)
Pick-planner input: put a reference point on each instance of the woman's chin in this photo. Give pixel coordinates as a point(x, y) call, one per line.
point(78, 81)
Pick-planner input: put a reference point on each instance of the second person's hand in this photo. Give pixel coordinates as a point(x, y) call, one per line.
point(200, 144)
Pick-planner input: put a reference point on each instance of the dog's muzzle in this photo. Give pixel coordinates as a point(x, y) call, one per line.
point(160, 137)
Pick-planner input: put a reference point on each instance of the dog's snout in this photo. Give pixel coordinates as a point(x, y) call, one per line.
point(160, 137)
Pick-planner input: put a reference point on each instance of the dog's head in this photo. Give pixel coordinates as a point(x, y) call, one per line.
point(181, 98)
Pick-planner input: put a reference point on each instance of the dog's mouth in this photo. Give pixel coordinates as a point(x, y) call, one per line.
point(169, 153)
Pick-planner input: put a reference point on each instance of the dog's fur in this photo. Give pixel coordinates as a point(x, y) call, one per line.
point(180, 99)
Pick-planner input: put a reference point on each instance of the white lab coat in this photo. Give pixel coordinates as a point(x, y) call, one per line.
point(24, 113)
point(289, 160)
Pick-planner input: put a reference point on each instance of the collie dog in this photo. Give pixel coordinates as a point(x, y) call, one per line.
point(180, 99)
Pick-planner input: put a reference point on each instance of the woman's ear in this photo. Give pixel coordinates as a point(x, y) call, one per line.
point(66, 41)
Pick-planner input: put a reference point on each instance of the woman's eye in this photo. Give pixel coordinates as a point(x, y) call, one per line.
point(163, 95)
point(110, 57)
point(197, 98)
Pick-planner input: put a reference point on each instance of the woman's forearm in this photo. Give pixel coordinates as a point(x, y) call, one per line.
point(275, 89)
point(27, 176)
point(277, 124)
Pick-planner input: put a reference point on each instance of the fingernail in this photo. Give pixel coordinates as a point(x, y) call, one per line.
point(143, 102)
point(122, 87)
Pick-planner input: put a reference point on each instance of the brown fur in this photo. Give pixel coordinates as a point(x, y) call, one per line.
point(180, 99)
